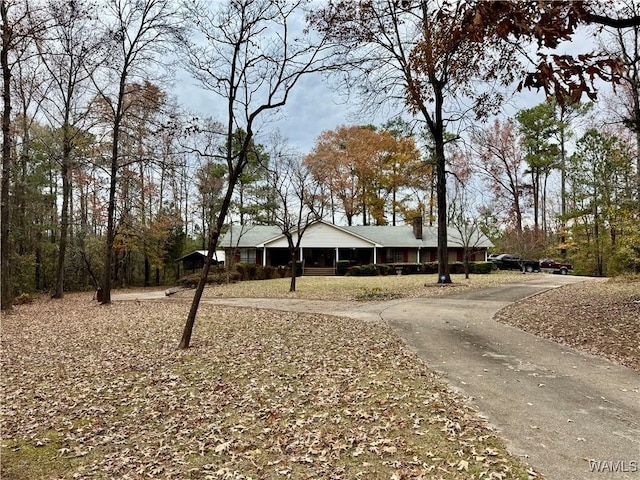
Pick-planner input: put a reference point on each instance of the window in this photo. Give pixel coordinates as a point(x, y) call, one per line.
point(396, 255)
point(248, 255)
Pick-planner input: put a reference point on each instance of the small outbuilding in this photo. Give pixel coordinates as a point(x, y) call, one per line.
point(194, 262)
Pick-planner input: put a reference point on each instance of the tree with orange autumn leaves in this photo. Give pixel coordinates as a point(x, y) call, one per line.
point(362, 169)
point(441, 59)
point(409, 53)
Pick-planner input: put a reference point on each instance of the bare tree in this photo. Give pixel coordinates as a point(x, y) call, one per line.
point(18, 34)
point(135, 33)
point(411, 53)
point(461, 217)
point(501, 162)
point(251, 56)
point(7, 45)
point(627, 46)
point(68, 53)
point(301, 203)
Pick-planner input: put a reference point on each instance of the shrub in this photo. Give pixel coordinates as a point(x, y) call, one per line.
point(216, 277)
point(342, 266)
point(270, 272)
point(625, 260)
point(405, 268)
point(243, 270)
point(352, 271)
point(481, 267)
point(252, 271)
point(362, 271)
point(456, 268)
point(430, 267)
point(384, 269)
point(369, 270)
point(23, 299)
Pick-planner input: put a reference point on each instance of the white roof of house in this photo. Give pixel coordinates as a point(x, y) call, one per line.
point(365, 235)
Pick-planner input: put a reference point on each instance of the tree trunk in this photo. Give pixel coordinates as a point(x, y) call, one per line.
point(441, 194)
point(563, 187)
point(111, 211)
point(64, 226)
point(147, 271)
point(19, 194)
point(6, 296)
point(64, 218)
point(535, 182)
point(214, 235)
point(294, 269)
point(38, 259)
point(544, 204)
point(636, 125)
point(466, 263)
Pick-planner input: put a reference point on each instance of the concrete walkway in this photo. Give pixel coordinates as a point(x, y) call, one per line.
point(568, 414)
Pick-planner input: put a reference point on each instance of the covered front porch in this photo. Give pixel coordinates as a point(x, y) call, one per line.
point(321, 248)
point(323, 260)
point(319, 261)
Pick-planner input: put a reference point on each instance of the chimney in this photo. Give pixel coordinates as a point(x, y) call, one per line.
point(417, 228)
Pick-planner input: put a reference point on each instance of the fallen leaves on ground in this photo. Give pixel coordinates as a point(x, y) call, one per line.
point(601, 318)
point(359, 288)
point(101, 392)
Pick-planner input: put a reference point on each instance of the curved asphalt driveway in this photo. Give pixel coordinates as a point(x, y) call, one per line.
point(560, 409)
point(568, 414)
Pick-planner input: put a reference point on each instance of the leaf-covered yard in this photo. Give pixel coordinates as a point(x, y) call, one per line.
point(360, 288)
point(601, 318)
point(101, 392)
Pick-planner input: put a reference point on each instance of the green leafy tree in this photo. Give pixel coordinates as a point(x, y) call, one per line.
point(210, 180)
point(253, 202)
point(538, 125)
point(600, 176)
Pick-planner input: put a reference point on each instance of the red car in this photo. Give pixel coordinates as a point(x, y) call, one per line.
point(551, 266)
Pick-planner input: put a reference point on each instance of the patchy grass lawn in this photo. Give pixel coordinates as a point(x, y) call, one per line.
point(359, 288)
point(601, 318)
point(101, 392)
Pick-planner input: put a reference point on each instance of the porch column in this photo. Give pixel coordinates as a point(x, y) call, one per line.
point(337, 255)
point(419, 255)
point(301, 254)
point(375, 255)
point(264, 256)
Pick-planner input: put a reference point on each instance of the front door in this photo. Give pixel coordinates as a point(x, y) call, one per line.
point(319, 257)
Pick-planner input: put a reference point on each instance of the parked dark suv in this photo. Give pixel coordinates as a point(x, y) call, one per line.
point(507, 261)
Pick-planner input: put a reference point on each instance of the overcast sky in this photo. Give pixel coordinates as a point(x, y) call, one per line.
point(315, 107)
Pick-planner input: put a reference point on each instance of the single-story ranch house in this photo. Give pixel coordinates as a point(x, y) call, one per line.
point(323, 244)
